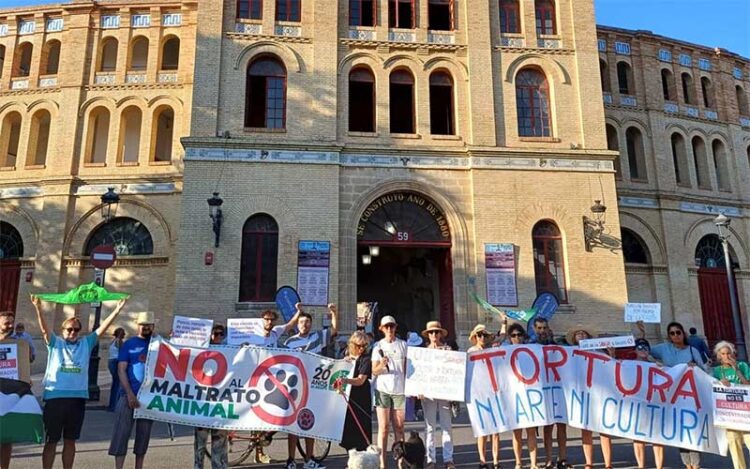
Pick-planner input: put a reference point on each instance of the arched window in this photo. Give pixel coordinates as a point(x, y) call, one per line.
point(288, 10)
point(250, 9)
point(10, 136)
point(634, 250)
point(636, 156)
point(708, 92)
point(108, 58)
point(402, 14)
point(440, 15)
point(625, 78)
point(50, 58)
point(700, 160)
point(401, 86)
point(98, 135)
point(667, 85)
point(128, 236)
point(679, 160)
point(742, 101)
point(265, 105)
point(139, 54)
point(22, 62)
point(39, 138)
point(688, 92)
point(709, 253)
point(613, 143)
point(170, 54)
point(441, 104)
point(163, 134)
point(546, 24)
point(2, 60)
point(604, 74)
point(130, 135)
point(532, 104)
point(258, 262)
point(362, 13)
point(361, 100)
point(11, 243)
point(720, 164)
point(549, 265)
point(510, 17)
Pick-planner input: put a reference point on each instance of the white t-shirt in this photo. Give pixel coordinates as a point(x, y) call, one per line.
point(392, 381)
point(271, 341)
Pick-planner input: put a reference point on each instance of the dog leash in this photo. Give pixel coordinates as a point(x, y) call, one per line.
point(356, 420)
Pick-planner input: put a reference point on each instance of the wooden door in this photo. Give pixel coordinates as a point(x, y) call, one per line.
point(716, 306)
point(10, 274)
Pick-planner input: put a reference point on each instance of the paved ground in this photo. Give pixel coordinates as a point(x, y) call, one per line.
point(178, 453)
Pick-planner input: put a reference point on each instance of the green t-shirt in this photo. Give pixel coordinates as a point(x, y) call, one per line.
point(729, 374)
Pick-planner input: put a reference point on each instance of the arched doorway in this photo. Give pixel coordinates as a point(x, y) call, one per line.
point(713, 286)
point(11, 250)
point(404, 261)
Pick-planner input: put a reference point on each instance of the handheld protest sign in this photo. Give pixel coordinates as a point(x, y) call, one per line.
point(286, 299)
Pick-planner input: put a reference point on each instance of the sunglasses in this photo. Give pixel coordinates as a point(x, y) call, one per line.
point(71, 330)
point(483, 335)
point(390, 326)
point(217, 333)
point(675, 332)
point(644, 348)
point(433, 332)
point(517, 334)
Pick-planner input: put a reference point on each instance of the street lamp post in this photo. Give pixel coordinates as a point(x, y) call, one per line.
point(722, 222)
point(110, 201)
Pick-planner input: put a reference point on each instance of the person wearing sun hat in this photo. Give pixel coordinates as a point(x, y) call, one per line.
point(389, 365)
point(579, 333)
point(481, 339)
point(437, 408)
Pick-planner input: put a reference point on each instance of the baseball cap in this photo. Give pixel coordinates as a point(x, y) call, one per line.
point(387, 320)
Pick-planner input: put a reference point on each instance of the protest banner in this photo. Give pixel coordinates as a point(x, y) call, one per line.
point(525, 386)
point(9, 361)
point(244, 331)
point(646, 312)
point(600, 343)
point(244, 388)
point(732, 407)
point(435, 374)
point(193, 332)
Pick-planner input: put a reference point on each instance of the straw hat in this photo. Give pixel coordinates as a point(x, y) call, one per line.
point(145, 317)
point(435, 326)
point(477, 329)
point(570, 336)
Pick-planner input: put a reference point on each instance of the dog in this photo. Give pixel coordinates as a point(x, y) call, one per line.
point(409, 454)
point(367, 459)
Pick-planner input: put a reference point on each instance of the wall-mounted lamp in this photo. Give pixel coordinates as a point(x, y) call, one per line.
point(374, 251)
point(594, 227)
point(110, 201)
point(214, 211)
point(366, 259)
point(390, 227)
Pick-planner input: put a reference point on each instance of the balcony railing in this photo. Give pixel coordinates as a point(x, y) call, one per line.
point(627, 100)
point(248, 28)
point(167, 77)
point(671, 108)
point(745, 121)
point(135, 77)
point(104, 78)
point(47, 81)
point(507, 41)
point(691, 111)
point(441, 37)
point(710, 115)
point(607, 98)
point(19, 83)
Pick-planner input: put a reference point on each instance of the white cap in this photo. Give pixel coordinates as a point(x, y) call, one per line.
point(387, 320)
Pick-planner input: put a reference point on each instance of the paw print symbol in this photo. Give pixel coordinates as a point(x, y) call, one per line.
point(281, 395)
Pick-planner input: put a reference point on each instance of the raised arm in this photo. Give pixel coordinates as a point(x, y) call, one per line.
point(108, 321)
point(40, 318)
point(293, 322)
point(334, 320)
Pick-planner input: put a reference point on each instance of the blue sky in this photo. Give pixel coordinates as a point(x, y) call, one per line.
point(713, 23)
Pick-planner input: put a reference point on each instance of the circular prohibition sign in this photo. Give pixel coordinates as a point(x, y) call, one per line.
point(264, 370)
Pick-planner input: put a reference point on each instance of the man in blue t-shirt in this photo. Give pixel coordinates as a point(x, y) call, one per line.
point(131, 368)
point(66, 382)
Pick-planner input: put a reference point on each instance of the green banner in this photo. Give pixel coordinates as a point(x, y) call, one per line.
point(86, 293)
point(522, 315)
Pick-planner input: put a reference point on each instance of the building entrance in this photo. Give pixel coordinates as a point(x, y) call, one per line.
point(404, 261)
point(11, 250)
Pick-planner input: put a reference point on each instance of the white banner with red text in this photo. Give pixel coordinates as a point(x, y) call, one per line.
point(244, 388)
point(533, 385)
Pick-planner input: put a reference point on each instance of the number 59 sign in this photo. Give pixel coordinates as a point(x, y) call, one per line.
point(401, 236)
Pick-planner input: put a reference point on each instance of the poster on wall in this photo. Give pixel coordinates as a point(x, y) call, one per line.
point(313, 264)
point(500, 265)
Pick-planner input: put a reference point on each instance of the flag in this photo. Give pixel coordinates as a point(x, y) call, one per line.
point(86, 293)
point(20, 414)
point(522, 315)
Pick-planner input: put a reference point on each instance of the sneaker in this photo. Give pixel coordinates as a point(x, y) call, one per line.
point(312, 464)
point(290, 464)
point(455, 409)
point(263, 458)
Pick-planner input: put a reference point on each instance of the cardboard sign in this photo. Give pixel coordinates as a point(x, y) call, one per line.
point(243, 330)
point(646, 312)
point(435, 374)
point(193, 332)
point(15, 362)
point(732, 407)
point(606, 342)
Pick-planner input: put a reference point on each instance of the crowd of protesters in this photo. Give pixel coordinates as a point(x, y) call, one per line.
point(380, 365)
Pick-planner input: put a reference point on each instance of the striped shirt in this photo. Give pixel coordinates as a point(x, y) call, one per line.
point(312, 342)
